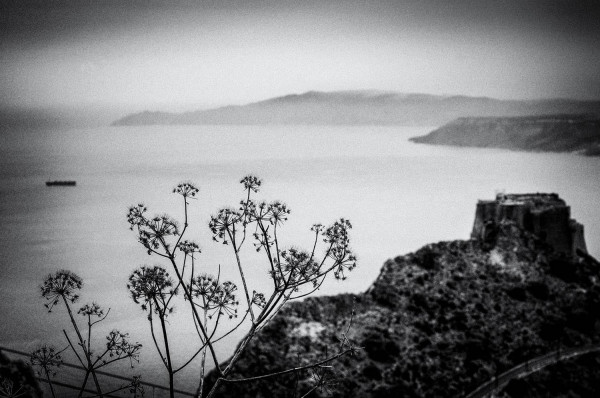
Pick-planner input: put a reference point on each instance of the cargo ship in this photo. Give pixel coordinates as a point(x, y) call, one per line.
point(61, 183)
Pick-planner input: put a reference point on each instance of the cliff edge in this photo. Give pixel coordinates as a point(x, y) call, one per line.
point(550, 133)
point(441, 321)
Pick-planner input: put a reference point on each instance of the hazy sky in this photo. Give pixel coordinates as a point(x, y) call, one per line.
point(197, 54)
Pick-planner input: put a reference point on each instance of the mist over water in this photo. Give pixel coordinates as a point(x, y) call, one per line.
point(398, 195)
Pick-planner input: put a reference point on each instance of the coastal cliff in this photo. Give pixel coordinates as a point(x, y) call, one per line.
point(441, 321)
point(552, 133)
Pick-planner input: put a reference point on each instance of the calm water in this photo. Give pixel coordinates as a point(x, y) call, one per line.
point(398, 195)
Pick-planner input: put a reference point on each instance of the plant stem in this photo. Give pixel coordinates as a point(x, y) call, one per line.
point(161, 316)
point(49, 382)
point(90, 367)
point(239, 264)
point(200, 390)
point(241, 347)
point(188, 296)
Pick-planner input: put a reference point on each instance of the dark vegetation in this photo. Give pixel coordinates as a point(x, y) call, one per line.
point(443, 320)
point(17, 379)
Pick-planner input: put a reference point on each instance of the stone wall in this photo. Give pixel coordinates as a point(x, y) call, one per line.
point(546, 215)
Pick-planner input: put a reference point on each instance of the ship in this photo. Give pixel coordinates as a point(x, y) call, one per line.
point(61, 183)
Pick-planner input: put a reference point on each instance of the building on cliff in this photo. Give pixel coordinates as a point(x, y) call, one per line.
point(543, 214)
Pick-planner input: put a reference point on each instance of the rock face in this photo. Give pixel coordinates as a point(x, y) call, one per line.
point(554, 133)
point(443, 320)
point(545, 215)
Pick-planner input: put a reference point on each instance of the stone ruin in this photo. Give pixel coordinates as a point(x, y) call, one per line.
point(544, 214)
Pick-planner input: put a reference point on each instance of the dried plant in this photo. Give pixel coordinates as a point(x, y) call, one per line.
point(64, 286)
point(294, 273)
point(47, 359)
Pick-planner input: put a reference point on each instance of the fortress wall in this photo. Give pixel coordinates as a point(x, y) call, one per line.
point(516, 212)
point(485, 211)
point(577, 237)
point(553, 226)
point(546, 215)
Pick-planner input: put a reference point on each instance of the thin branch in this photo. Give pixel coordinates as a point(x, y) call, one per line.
point(162, 357)
point(239, 264)
point(189, 297)
point(267, 247)
point(100, 357)
point(317, 287)
point(101, 319)
point(185, 224)
point(232, 330)
point(311, 390)
point(109, 362)
point(283, 372)
point(73, 348)
point(111, 392)
point(190, 360)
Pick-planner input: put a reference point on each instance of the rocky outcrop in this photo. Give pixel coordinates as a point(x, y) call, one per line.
point(439, 322)
point(553, 133)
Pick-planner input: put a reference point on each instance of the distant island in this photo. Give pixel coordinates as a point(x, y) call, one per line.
point(365, 107)
point(555, 133)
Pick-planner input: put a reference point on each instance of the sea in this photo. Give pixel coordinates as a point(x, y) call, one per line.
point(398, 196)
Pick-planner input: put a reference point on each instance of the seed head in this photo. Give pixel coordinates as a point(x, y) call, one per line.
point(61, 285)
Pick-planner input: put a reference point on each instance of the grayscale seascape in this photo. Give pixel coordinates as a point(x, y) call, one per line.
point(312, 98)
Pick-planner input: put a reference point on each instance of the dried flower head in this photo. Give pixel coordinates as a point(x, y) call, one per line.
point(153, 232)
point(186, 189)
point(278, 212)
point(258, 299)
point(225, 299)
point(204, 286)
point(91, 310)
point(318, 228)
point(247, 210)
point(337, 234)
point(222, 224)
point(136, 217)
point(344, 261)
point(151, 287)
point(260, 212)
point(136, 388)
point(118, 346)
point(296, 268)
point(323, 378)
point(251, 183)
point(47, 359)
point(189, 247)
point(215, 297)
point(61, 285)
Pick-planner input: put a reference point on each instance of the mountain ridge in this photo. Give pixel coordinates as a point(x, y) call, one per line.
point(361, 107)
